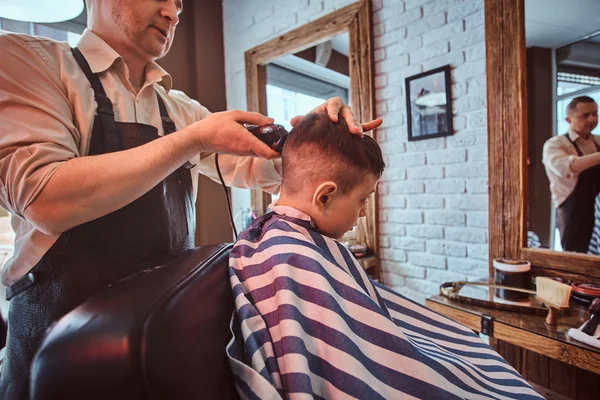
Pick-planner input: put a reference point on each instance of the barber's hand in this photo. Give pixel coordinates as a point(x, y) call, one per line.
point(335, 107)
point(224, 133)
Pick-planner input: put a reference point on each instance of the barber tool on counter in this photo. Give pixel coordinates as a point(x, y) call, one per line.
point(512, 279)
point(592, 324)
point(589, 332)
point(585, 293)
point(512, 273)
point(554, 295)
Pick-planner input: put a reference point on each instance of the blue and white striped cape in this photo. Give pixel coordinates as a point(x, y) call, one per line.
point(309, 323)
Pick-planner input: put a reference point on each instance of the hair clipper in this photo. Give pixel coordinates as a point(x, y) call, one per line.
point(272, 135)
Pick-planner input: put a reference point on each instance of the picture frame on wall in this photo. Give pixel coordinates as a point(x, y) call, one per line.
point(429, 104)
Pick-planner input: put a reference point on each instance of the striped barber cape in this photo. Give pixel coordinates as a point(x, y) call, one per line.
point(309, 324)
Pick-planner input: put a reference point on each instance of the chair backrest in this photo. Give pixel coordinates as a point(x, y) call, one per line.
point(159, 334)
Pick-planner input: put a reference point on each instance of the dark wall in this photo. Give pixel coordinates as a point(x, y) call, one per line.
point(197, 64)
point(539, 107)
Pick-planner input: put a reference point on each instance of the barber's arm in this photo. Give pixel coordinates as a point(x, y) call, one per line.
point(43, 177)
point(558, 159)
point(580, 164)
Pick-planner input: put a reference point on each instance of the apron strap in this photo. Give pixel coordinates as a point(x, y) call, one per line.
point(169, 125)
point(104, 104)
point(167, 122)
point(105, 108)
point(100, 144)
point(579, 152)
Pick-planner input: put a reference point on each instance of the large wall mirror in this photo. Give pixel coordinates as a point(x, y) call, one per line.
point(563, 63)
point(294, 73)
point(540, 55)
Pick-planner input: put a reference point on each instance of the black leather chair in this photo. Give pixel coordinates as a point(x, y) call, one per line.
point(160, 334)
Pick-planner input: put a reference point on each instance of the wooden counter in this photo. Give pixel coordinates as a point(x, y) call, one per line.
point(545, 355)
point(527, 331)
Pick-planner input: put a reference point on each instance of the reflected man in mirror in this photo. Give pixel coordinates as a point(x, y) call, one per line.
point(572, 162)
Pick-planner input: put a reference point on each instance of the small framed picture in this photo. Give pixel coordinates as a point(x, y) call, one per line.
point(429, 104)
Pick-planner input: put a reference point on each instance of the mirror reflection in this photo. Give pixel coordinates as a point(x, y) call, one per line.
point(563, 85)
point(299, 82)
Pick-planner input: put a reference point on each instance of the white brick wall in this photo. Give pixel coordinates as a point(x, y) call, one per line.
point(443, 181)
point(433, 195)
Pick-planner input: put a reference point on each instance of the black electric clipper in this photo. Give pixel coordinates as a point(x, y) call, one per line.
point(273, 135)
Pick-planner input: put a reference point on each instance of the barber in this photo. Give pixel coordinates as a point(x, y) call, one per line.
point(99, 160)
point(572, 164)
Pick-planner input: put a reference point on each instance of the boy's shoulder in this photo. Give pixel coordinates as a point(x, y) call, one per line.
point(273, 230)
point(263, 225)
point(273, 234)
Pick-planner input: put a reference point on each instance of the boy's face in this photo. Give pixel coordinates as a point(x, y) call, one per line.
point(344, 209)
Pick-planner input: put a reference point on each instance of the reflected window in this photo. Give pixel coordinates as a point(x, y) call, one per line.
point(67, 31)
point(568, 83)
point(284, 104)
point(291, 93)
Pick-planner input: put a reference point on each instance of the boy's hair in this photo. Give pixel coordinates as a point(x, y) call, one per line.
point(320, 149)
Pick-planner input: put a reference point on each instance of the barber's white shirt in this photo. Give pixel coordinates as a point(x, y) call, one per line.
point(47, 109)
point(558, 156)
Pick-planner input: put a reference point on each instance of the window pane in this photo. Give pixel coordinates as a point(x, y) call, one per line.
point(283, 104)
point(567, 82)
point(52, 33)
point(15, 26)
point(569, 87)
point(61, 35)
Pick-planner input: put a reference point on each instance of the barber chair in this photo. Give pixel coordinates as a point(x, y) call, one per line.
point(160, 334)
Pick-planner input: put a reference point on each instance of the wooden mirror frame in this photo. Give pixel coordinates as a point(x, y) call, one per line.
point(354, 19)
point(506, 72)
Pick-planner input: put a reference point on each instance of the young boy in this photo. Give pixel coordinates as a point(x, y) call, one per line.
point(310, 324)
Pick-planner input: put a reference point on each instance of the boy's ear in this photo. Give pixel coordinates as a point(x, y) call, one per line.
point(322, 195)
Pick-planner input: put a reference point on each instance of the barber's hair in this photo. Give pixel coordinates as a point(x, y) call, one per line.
point(577, 100)
point(320, 149)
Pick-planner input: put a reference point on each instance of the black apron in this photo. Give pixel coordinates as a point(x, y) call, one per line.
point(575, 216)
point(90, 257)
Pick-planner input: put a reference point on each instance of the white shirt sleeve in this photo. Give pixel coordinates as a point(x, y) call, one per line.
point(244, 172)
point(37, 133)
point(557, 159)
